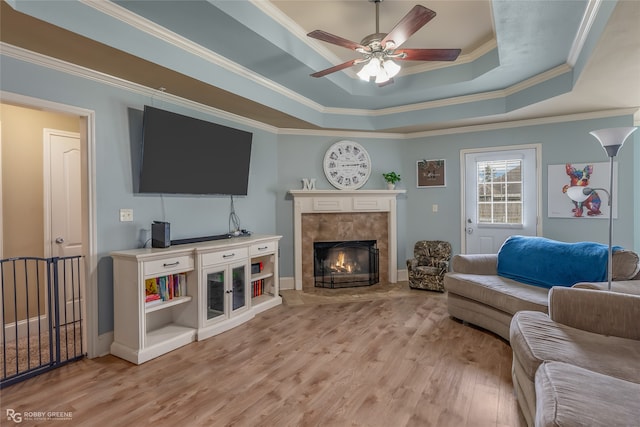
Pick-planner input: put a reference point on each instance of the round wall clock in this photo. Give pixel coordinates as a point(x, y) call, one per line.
point(347, 165)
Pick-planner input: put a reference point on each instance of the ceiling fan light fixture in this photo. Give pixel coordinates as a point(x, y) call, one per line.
point(382, 76)
point(391, 68)
point(370, 69)
point(379, 50)
point(364, 73)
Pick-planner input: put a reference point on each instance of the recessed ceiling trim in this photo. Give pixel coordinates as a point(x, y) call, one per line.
point(589, 17)
point(525, 122)
point(120, 13)
point(290, 25)
point(73, 69)
point(464, 99)
point(124, 15)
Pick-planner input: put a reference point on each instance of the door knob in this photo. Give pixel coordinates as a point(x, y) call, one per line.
point(59, 240)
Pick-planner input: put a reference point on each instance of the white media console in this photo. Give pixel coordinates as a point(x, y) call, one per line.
point(202, 289)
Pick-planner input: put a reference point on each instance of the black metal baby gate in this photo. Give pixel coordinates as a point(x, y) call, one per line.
point(41, 314)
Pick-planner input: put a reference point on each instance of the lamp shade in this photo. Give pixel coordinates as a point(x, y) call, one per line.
point(612, 139)
point(578, 193)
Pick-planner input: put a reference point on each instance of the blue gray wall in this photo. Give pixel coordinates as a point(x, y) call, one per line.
point(278, 163)
point(567, 142)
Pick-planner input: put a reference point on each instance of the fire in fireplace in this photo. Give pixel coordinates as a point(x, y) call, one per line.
point(346, 264)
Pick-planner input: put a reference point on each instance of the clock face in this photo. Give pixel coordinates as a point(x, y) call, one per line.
point(347, 165)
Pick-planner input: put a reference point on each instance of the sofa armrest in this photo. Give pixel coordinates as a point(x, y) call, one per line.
point(601, 312)
point(621, 286)
point(475, 264)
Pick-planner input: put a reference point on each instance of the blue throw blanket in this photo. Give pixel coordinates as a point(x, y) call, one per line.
point(543, 262)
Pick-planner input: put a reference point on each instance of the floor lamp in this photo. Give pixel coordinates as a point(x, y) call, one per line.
point(612, 140)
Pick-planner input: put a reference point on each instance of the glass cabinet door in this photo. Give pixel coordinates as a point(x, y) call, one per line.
point(215, 294)
point(238, 287)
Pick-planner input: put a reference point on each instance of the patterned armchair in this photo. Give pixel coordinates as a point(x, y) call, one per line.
point(430, 263)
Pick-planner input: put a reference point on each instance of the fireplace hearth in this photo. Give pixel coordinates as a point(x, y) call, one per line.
point(346, 263)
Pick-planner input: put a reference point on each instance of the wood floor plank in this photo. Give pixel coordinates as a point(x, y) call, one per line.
point(391, 361)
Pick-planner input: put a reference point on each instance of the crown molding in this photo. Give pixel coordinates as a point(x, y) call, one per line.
point(588, 18)
point(124, 15)
point(76, 70)
point(161, 33)
point(526, 122)
point(97, 76)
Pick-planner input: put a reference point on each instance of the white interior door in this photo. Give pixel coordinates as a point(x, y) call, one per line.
point(63, 213)
point(500, 197)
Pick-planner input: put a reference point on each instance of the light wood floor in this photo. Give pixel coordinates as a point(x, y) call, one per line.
point(395, 361)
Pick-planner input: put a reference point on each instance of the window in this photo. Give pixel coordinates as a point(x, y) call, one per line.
point(499, 192)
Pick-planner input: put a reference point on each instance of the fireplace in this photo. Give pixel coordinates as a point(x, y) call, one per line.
point(346, 263)
point(338, 215)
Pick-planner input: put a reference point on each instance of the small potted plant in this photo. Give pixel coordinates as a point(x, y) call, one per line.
point(391, 178)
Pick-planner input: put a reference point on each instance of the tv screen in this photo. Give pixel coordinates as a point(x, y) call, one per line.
point(184, 155)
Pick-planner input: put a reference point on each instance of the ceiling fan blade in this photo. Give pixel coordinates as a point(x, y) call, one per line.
point(428, 54)
point(412, 22)
point(330, 38)
point(338, 67)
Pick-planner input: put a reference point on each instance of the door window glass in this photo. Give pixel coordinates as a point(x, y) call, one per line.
point(499, 192)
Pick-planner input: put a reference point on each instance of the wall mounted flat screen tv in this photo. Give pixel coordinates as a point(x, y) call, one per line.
point(185, 155)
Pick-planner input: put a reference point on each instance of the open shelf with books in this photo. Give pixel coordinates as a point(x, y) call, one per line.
point(154, 304)
point(264, 266)
point(165, 291)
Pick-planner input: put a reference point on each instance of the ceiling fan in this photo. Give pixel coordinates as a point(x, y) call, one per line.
point(379, 50)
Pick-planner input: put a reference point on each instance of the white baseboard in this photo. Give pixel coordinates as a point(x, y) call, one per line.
point(403, 275)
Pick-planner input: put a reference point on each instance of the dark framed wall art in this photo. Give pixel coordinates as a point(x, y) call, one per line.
point(431, 173)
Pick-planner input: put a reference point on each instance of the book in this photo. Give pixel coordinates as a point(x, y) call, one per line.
point(152, 297)
point(151, 286)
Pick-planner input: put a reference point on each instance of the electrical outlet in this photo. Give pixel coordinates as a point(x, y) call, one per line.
point(126, 215)
point(434, 208)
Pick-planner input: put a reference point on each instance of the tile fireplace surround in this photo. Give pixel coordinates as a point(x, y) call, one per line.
point(334, 215)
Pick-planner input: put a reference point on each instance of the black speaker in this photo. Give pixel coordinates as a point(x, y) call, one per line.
point(160, 234)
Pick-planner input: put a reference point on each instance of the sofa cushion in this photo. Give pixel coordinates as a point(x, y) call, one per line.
point(568, 395)
point(498, 292)
point(535, 338)
point(544, 262)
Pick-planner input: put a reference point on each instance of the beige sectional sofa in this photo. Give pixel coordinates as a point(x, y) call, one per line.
point(478, 295)
point(580, 364)
point(576, 348)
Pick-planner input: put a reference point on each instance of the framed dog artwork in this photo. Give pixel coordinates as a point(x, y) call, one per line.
point(431, 173)
point(594, 175)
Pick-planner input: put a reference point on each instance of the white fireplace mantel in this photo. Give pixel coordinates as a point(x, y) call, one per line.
point(344, 201)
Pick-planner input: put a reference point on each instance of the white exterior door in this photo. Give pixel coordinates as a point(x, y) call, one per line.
point(500, 197)
point(63, 214)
